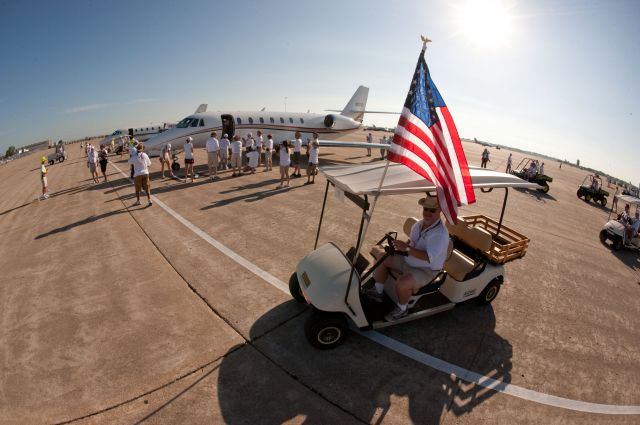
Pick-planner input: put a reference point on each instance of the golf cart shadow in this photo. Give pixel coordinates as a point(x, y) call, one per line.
point(630, 259)
point(280, 377)
point(542, 197)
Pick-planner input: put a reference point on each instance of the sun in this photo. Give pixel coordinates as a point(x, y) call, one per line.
point(486, 23)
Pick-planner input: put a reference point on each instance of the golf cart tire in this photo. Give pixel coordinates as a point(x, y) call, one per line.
point(490, 292)
point(579, 193)
point(175, 166)
point(604, 235)
point(617, 243)
point(603, 202)
point(294, 288)
point(587, 197)
point(51, 162)
point(326, 330)
point(545, 187)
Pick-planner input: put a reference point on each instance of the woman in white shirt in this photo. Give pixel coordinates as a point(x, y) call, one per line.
point(268, 150)
point(314, 148)
point(188, 159)
point(285, 162)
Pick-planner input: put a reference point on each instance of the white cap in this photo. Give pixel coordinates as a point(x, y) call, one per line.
point(189, 139)
point(169, 146)
point(226, 136)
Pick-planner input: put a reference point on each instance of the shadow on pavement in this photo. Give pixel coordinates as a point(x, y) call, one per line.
point(363, 380)
point(88, 220)
point(542, 197)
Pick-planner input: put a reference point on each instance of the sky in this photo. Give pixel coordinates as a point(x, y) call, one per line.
point(557, 77)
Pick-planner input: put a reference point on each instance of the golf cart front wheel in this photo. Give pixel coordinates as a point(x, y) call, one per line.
point(617, 243)
point(587, 197)
point(579, 193)
point(294, 288)
point(604, 235)
point(326, 330)
point(175, 166)
point(490, 292)
point(603, 202)
point(545, 187)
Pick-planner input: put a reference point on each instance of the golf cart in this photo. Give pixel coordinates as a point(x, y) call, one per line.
point(522, 171)
point(591, 188)
point(616, 230)
point(332, 283)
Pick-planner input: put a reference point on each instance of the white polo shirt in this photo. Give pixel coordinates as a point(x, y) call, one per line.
point(236, 146)
point(213, 145)
point(313, 154)
point(224, 144)
point(434, 240)
point(296, 144)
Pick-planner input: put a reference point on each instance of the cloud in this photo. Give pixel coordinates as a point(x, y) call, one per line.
point(86, 108)
point(134, 101)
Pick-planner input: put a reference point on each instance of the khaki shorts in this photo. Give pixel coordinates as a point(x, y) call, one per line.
point(44, 182)
point(421, 276)
point(224, 154)
point(235, 160)
point(92, 167)
point(213, 159)
point(141, 181)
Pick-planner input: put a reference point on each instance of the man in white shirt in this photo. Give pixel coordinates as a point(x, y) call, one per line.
point(141, 162)
point(213, 154)
point(249, 142)
point(369, 140)
point(236, 150)
point(314, 149)
point(383, 141)
point(92, 160)
point(188, 159)
point(419, 259)
point(224, 151)
point(252, 160)
point(268, 153)
point(259, 146)
point(297, 146)
point(509, 163)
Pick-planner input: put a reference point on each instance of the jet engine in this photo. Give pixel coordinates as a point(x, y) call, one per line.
point(329, 121)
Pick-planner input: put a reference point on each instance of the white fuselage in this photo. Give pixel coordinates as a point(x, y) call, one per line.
point(281, 125)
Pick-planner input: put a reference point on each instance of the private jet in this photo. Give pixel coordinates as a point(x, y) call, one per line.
point(281, 125)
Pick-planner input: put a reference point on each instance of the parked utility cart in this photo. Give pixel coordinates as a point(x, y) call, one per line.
point(615, 230)
point(333, 285)
point(591, 189)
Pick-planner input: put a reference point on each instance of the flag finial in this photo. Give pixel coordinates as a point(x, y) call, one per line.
point(425, 40)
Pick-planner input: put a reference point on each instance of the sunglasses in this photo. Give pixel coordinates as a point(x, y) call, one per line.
point(431, 210)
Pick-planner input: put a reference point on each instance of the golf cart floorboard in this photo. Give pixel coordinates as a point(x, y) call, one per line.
point(427, 305)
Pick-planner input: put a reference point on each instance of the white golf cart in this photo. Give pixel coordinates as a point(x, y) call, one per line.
point(616, 230)
point(333, 284)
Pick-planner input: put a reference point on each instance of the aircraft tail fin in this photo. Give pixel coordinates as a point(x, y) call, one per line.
point(356, 107)
point(201, 108)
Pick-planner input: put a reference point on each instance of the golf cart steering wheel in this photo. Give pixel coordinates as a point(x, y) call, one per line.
point(390, 238)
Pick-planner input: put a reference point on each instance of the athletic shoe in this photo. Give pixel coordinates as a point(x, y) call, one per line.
point(396, 314)
point(136, 204)
point(373, 295)
point(150, 203)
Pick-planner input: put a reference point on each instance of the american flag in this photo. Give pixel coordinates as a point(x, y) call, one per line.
point(426, 140)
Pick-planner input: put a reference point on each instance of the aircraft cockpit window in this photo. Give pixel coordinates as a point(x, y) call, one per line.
point(250, 120)
point(239, 120)
point(281, 120)
point(115, 133)
point(291, 120)
point(301, 121)
point(184, 123)
point(194, 123)
point(261, 120)
point(272, 120)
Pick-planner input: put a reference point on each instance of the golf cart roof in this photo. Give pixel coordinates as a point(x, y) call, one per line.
point(631, 200)
point(365, 179)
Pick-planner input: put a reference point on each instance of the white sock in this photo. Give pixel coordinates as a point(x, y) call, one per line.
point(402, 307)
point(379, 287)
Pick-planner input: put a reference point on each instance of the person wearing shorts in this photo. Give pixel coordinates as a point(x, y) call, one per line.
point(224, 151)
point(165, 159)
point(188, 159)
point(419, 259)
point(314, 148)
point(236, 160)
point(92, 160)
point(296, 144)
point(268, 150)
point(213, 154)
point(141, 163)
point(43, 178)
point(103, 161)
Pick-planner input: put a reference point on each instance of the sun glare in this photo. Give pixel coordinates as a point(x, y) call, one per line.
point(486, 23)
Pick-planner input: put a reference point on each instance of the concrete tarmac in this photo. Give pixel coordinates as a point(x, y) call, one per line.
point(111, 313)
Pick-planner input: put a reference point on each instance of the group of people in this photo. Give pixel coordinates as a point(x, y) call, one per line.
point(383, 141)
point(95, 158)
point(631, 225)
point(535, 168)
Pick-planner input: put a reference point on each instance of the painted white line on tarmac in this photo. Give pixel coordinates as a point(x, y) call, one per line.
point(412, 353)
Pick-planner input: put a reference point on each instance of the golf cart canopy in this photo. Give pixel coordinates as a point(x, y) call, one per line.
point(365, 179)
point(628, 199)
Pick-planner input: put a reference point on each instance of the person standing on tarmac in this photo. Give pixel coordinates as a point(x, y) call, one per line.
point(188, 159)
point(369, 140)
point(141, 162)
point(297, 146)
point(509, 163)
point(224, 151)
point(213, 155)
point(43, 179)
point(314, 148)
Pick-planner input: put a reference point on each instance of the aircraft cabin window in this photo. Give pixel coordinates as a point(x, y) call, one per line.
point(194, 123)
point(272, 120)
point(250, 120)
point(291, 120)
point(301, 121)
point(201, 122)
point(281, 120)
point(239, 120)
point(261, 120)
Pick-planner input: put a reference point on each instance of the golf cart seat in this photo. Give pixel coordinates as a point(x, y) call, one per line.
point(471, 259)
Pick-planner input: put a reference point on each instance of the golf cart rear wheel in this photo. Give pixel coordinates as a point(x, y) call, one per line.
point(603, 202)
point(294, 288)
point(490, 292)
point(175, 166)
point(604, 235)
point(579, 193)
point(587, 197)
point(326, 330)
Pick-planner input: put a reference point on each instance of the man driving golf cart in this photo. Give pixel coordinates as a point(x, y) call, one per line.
point(419, 259)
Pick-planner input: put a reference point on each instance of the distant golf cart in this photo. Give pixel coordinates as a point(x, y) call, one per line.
point(615, 230)
point(521, 171)
point(591, 189)
point(59, 156)
point(333, 285)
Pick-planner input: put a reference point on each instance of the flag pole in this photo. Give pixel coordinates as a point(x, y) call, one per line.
point(425, 40)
